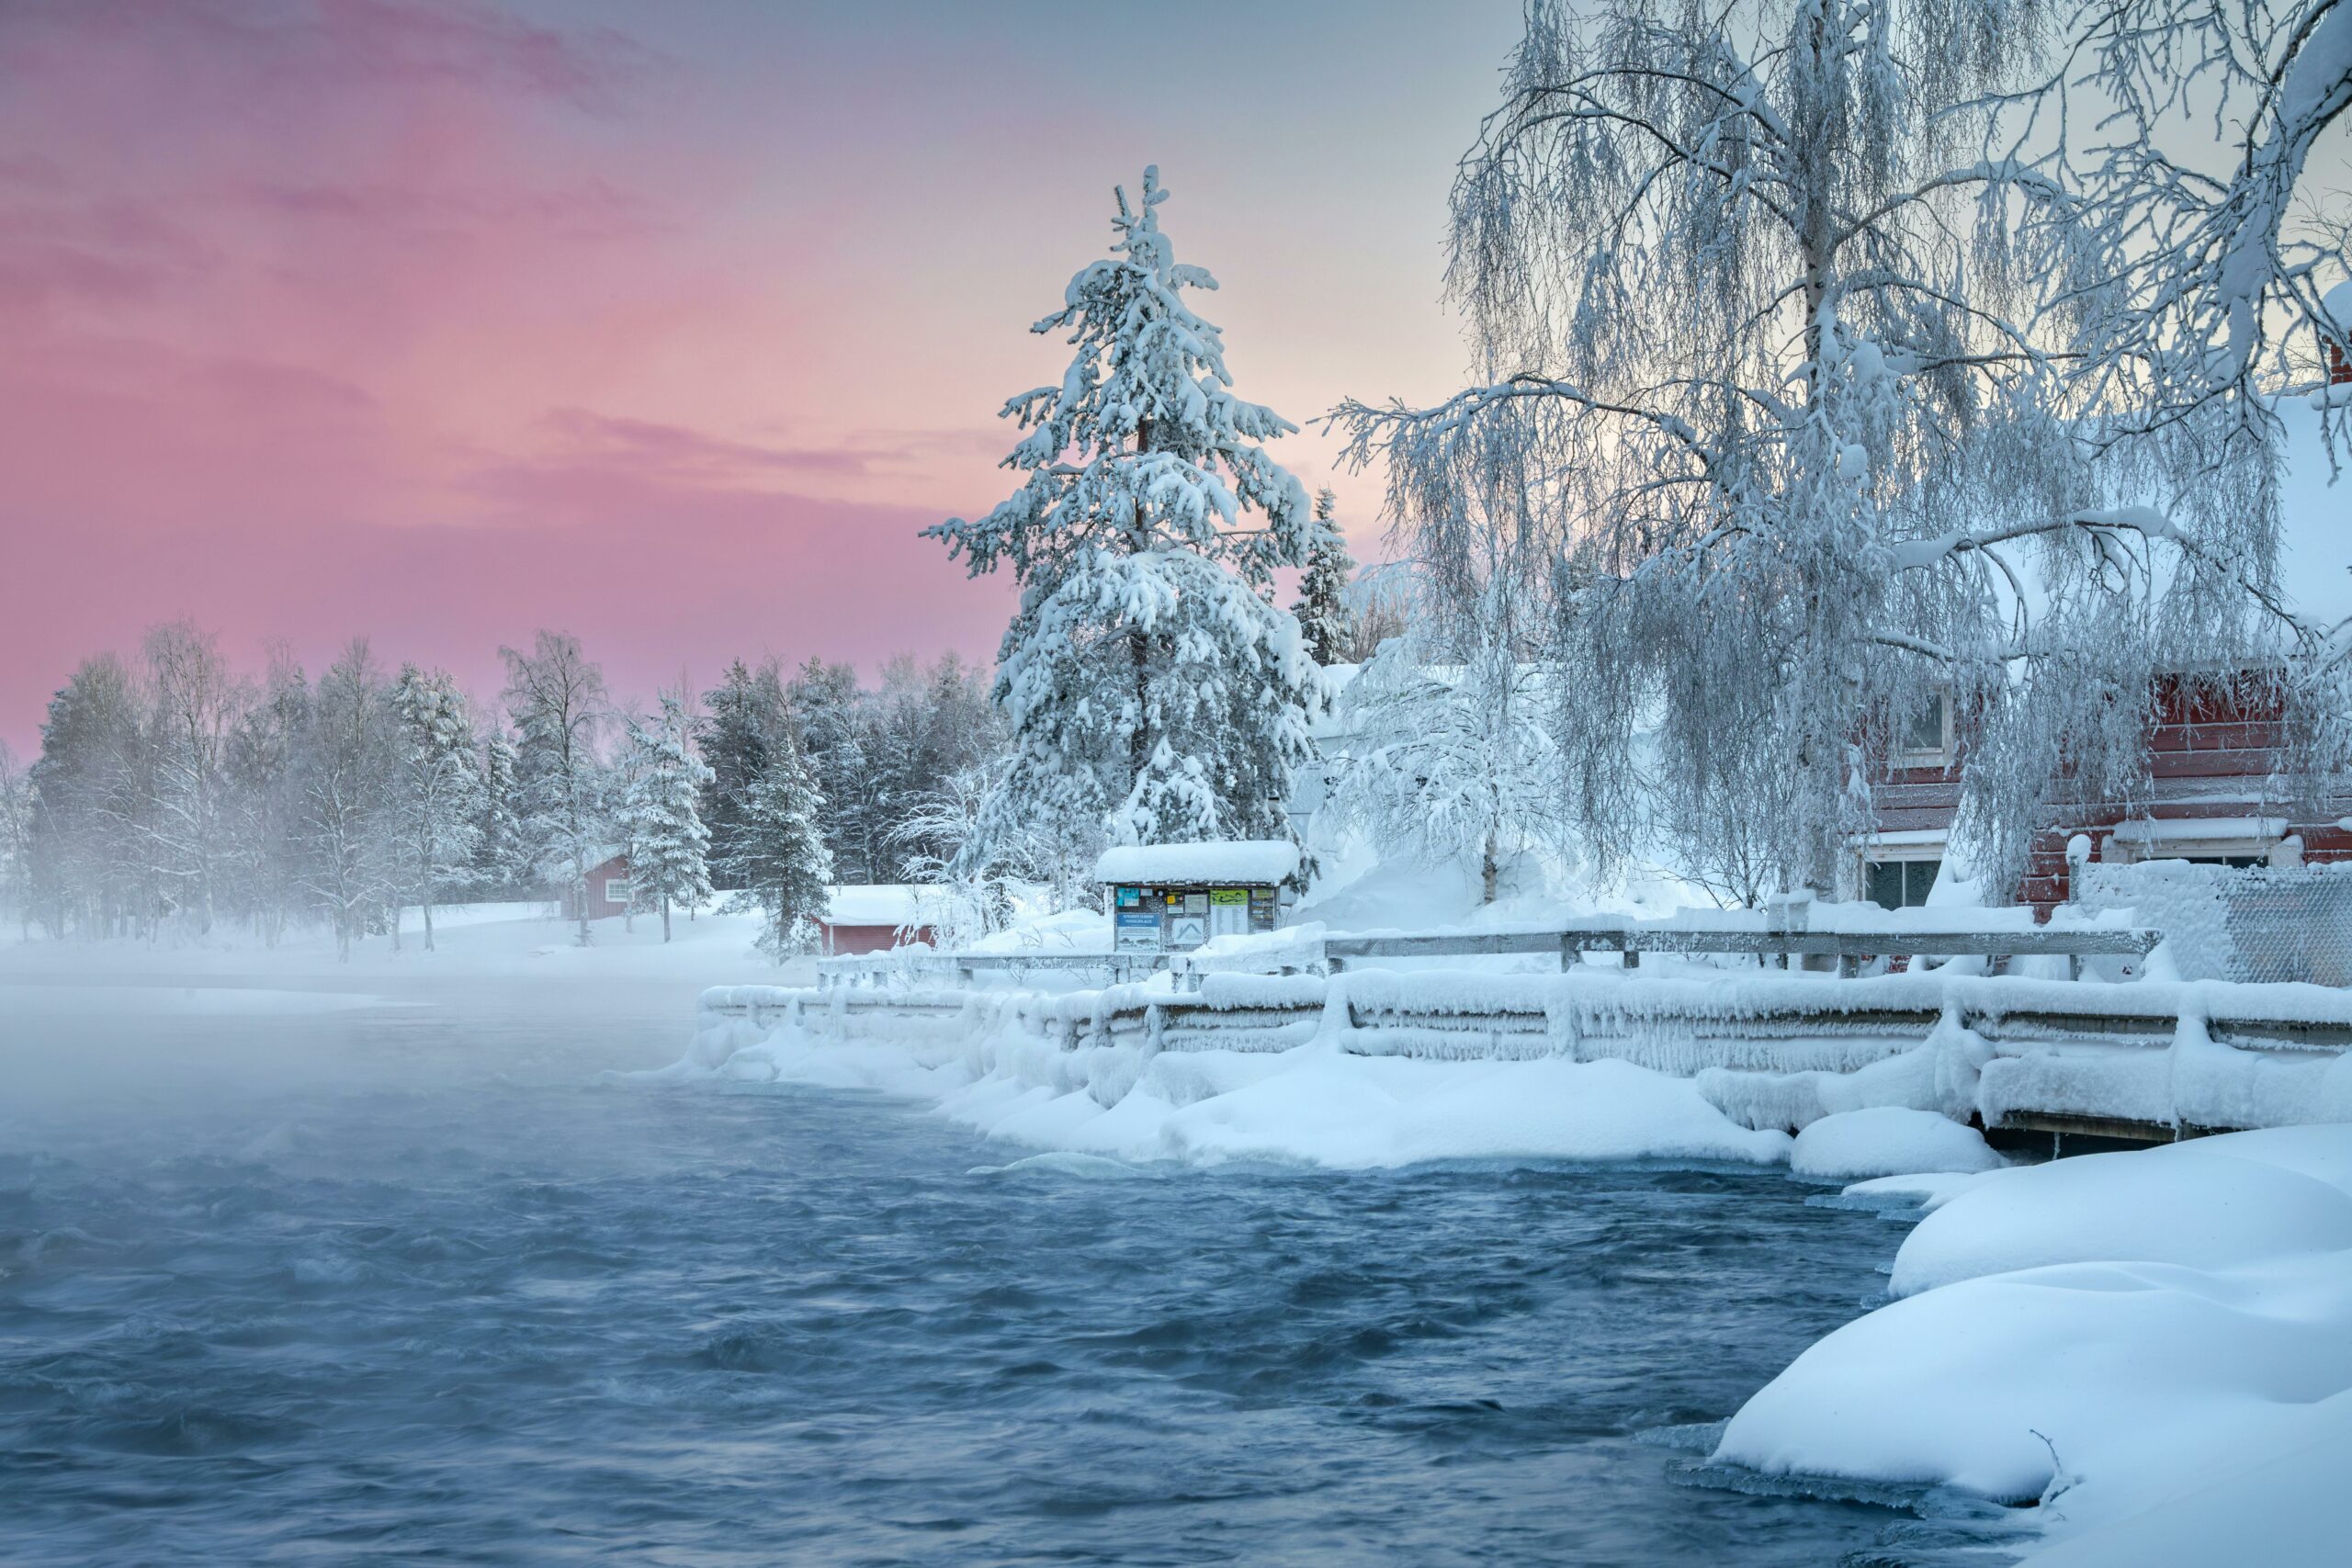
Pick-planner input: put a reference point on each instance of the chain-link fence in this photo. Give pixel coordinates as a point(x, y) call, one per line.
point(2237, 924)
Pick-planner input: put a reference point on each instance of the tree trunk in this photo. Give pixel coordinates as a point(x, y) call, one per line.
point(580, 894)
point(427, 907)
point(1489, 874)
point(666, 917)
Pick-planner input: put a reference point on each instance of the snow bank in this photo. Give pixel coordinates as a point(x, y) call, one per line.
point(2119, 1335)
point(1010, 1068)
point(1887, 1140)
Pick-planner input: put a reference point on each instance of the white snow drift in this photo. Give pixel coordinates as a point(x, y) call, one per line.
point(2131, 1339)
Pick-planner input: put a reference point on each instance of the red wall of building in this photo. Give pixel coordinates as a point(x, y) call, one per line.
point(847, 942)
point(2212, 751)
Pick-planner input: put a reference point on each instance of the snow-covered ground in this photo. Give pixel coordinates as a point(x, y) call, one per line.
point(469, 941)
point(2156, 1346)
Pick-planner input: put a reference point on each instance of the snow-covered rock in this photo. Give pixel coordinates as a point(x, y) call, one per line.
point(1888, 1139)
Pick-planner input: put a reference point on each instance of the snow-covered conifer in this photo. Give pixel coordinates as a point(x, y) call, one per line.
point(436, 798)
point(1151, 686)
point(782, 863)
point(669, 846)
point(745, 718)
point(1322, 607)
point(501, 856)
point(830, 719)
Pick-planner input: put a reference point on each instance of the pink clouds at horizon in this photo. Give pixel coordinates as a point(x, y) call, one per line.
point(440, 321)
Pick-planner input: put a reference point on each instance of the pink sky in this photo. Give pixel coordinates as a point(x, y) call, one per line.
point(667, 326)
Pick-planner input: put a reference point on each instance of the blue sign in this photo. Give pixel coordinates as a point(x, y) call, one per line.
point(1134, 930)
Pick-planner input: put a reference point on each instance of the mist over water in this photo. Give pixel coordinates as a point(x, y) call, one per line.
point(294, 1273)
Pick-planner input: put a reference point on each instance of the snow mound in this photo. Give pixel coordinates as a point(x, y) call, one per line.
point(1887, 1140)
point(2157, 1343)
point(2205, 1211)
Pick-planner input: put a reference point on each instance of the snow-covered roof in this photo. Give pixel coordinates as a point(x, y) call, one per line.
point(2177, 829)
point(874, 904)
point(1245, 862)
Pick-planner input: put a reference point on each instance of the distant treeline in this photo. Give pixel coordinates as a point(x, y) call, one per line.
point(176, 793)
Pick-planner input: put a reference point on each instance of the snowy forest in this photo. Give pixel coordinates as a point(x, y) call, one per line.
point(174, 791)
point(1830, 360)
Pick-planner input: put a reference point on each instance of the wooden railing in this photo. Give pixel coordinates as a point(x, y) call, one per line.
point(1848, 948)
point(1333, 955)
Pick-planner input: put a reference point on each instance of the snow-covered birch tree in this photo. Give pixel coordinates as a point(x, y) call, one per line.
point(1771, 303)
point(1153, 688)
point(193, 703)
point(557, 701)
point(436, 797)
point(1449, 757)
point(669, 846)
point(349, 756)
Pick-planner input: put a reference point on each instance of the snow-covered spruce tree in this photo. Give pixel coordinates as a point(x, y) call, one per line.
point(502, 858)
point(557, 702)
point(1449, 758)
point(782, 863)
point(1153, 690)
point(436, 798)
point(743, 717)
point(88, 805)
point(1766, 316)
point(1322, 607)
point(669, 854)
point(828, 719)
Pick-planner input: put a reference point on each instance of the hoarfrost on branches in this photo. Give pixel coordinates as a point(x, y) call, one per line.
point(1777, 310)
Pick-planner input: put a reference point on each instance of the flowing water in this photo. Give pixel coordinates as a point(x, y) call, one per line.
point(286, 1276)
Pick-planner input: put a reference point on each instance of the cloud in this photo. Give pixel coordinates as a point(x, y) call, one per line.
point(674, 450)
point(265, 50)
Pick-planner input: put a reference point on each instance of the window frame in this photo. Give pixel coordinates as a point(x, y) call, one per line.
point(1937, 756)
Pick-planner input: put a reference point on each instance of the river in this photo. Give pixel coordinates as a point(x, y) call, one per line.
point(287, 1274)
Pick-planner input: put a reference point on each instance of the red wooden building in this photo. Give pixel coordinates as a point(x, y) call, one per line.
point(607, 890)
point(871, 919)
point(2215, 749)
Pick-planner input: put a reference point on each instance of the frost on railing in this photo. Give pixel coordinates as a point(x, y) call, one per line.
point(2252, 923)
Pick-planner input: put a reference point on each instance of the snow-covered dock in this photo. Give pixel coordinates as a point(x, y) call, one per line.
point(2148, 1060)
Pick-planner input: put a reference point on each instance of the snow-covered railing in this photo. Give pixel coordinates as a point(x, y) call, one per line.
point(1630, 939)
point(910, 968)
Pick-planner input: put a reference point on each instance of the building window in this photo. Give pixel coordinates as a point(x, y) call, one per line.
point(1927, 732)
point(617, 890)
point(1900, 884)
